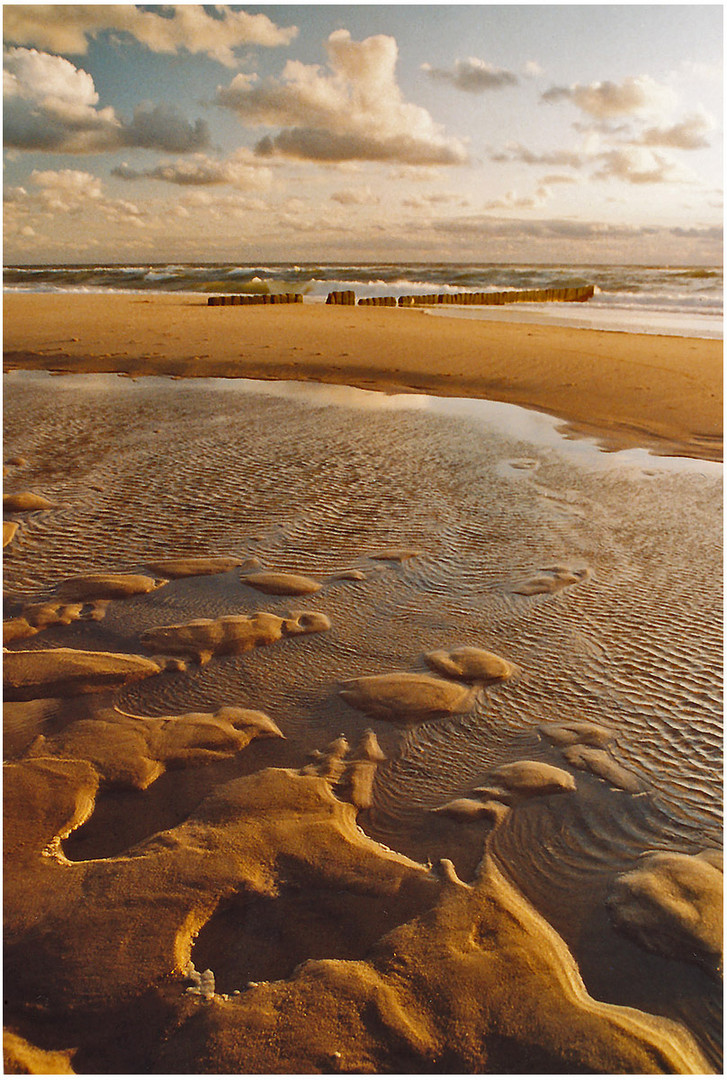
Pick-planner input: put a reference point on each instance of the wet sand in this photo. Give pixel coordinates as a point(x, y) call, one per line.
point(626, 389)
point(347, 735)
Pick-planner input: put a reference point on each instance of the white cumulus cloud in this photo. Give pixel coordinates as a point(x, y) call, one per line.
point(67, 28)
point(356, 197)
point(473, 75)
point(51, 105)
point(687, 134)
point(636, 94)
point(354, 110)
point(241, 170)
point(640, 165)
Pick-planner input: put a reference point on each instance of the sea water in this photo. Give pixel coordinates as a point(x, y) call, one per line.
point(680, 300)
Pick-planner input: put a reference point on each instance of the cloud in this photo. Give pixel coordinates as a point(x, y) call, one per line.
point(50, 105)
point(513, 201)
point(473, 75)
point(161, 127)
point(686, 135)
point(67, 190)
point(356, 197)
point(638, 165)
point(532, 69)
point(561, 178)
point(426, 202)
point(352, 111)
point(518, 152)
point(240, 170)
point(14, 194)
point(607, 99)
point(68, 28)
point(549, 229)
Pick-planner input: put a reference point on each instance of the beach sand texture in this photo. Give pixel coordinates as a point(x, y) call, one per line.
point(356, 739)
point(626, 389)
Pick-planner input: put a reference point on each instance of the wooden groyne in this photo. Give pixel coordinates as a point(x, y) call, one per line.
point(346, 296)
point(576, 295)
point(256, 298)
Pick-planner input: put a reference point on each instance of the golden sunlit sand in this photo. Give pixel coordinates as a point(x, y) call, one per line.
point(626, 389)
point(410, 828)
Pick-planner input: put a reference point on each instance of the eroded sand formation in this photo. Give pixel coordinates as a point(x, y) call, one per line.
point(245, 909)
point(447, 969)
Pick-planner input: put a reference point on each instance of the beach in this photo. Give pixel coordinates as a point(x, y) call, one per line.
point(624, 389)
point(362, 692)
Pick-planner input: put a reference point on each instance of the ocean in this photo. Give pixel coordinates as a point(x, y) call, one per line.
point(683, 301)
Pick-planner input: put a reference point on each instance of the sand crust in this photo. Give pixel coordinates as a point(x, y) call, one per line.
point(194, 565)
point(405, 697)
point(9, 530)
point(63, 672)
point(25, 500)
point(441, 975)
point(279, 584)
point(470, 664)
point(672, 904)
point(626, 389)
point(133, 751)
point(204, 638)
point(107, 586)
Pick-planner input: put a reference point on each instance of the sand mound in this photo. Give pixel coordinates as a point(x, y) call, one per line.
point(204, 638)
point(357, 779)
point(601, 764)
point(133, 751)
point(45, 673)
point(9, 530)
point(349, 575)
point(467, 809)
point(395, 554)
point(531, 778)
point(25, 500)
point(511, 784)
point(470, 664)
point(672, 904)
point(21, 1057)
point(551, 579)
point(278, 584)
point(107, 586)
point(37, 617)
point(577, 732)
point(194, 566)
point(72, 925)
point(445, 992)
point(405, 697)
point(458, 973)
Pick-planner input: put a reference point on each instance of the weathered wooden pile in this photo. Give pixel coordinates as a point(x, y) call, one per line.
point(256, 298)
point(511, 296)
point(346, 296)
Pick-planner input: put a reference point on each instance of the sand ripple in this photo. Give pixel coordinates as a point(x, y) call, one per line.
point(599, 591)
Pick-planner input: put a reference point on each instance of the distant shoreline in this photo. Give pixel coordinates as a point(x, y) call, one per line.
point(660, 392)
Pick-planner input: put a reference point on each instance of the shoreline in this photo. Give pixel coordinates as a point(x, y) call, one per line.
point(662, 393)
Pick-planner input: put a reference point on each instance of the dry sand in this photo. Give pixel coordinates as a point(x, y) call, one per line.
point(212, 863)
point(625, 389)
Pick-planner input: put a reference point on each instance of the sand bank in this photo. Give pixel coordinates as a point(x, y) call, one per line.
point(626, 389)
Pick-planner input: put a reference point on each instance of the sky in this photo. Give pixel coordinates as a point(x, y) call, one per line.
point(573, 133)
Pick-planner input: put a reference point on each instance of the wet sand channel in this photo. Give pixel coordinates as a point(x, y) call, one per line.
point(412, 724)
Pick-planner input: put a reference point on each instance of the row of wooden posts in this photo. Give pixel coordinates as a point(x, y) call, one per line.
point(256, 298)
point(348, 296)
point(511, 296)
